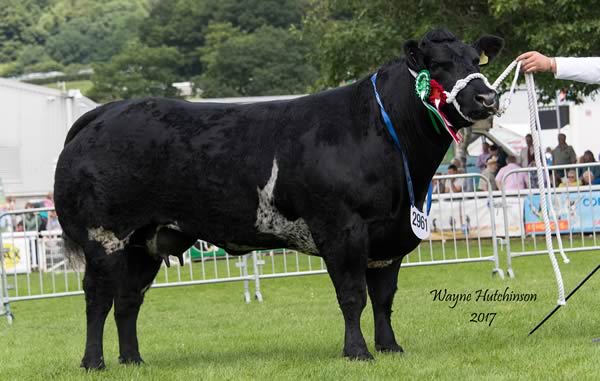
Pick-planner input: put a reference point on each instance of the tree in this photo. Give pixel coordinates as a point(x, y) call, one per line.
point(270, 61)
point(183, 24)
point(17, 20)
point(137, 71)
point(96, 35)
point(354, 36)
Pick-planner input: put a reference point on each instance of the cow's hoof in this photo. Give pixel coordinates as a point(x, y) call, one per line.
point(134, 360)
point(389, 348)
point(93, 363)
point(360, 355)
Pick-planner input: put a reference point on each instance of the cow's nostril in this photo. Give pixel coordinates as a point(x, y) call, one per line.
point(488, 100)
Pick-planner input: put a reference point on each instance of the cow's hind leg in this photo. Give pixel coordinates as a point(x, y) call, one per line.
point(346, 265)
point(382, 284)
point(98, 285)
point(140, 264)
point(137, 273)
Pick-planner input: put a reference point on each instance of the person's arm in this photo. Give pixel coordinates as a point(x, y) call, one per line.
point(581, 69)
point(573, 155)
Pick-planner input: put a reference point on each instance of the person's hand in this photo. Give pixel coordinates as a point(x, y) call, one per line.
point(532, 62)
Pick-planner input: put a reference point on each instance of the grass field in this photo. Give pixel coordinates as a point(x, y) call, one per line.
point(207, 332)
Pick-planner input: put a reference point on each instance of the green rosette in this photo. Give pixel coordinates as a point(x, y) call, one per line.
point(423, 88)
point(422, 85)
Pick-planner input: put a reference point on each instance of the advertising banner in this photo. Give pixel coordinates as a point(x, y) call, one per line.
point(470, 218)
point(18, 251)
point(576, 212)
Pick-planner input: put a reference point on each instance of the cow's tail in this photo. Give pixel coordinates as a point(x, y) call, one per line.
point(73, 253)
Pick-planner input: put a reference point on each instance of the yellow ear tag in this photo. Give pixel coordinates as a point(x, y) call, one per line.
point(483, 59)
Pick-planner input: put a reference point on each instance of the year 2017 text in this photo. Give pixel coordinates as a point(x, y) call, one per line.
point(483, 317)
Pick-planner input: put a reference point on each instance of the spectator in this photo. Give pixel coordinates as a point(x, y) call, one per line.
point(33, 221)
point(467, 184)
point(6, 223)
point(588, 157)
point(556, 178)
point(485, 155)
point(453, 185)
point(563, 153)
point(49, 201)
point(548, 155)
point(458, 164)
point(500, 155)
point(513, 181)
point(587, 178)
point(572, 180)
point(52, 223)
point(437, 185)
point(491, 167)
point(526, 158)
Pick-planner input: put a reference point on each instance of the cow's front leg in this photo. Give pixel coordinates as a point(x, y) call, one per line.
point(382, 283)
point(99, 293)
point(346, 266)
point(138, 272)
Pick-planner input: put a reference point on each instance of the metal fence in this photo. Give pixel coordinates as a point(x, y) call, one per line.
point(575, 204)
point(34, 264)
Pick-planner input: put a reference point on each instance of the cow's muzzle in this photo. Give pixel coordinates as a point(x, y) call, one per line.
point(488, 101)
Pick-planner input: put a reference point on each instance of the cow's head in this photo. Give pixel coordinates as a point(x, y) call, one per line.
point(448, 60)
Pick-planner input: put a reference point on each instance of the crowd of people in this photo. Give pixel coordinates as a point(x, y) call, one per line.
point(23, 222)
point(494, 164)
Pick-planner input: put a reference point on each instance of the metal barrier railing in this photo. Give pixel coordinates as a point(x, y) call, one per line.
point(464, 226)
point(34, 264)
point(578, 219)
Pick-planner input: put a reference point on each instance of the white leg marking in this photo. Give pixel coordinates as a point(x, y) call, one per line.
point(270, 220)
point(107, 239)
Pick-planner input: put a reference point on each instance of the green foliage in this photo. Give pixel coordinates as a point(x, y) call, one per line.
point(137, 71)
point(269, 61)
point(94, 37)
point(184, 24)
point(353, 36)
point(17, 21)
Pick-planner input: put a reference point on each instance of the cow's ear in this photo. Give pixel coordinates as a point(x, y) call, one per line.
point(414, 56)
point(488, 48)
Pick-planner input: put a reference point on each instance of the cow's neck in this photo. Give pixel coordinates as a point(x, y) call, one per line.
point(424, 147)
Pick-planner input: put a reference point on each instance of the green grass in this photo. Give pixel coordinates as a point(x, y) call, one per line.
point(84, 86)
point(207, 332)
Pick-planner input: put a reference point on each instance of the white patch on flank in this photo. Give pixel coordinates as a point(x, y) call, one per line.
point(107, 239)
point(270, 220)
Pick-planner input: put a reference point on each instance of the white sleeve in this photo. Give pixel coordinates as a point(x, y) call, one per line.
point(581, 69)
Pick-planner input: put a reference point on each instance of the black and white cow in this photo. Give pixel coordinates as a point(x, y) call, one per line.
point(139, 179)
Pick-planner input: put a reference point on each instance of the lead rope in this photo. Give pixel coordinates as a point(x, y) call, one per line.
point(542, 168)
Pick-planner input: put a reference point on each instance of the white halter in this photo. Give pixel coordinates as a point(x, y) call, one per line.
point(462, 83)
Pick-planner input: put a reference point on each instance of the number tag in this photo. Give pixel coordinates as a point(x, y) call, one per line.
point(419, 223)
